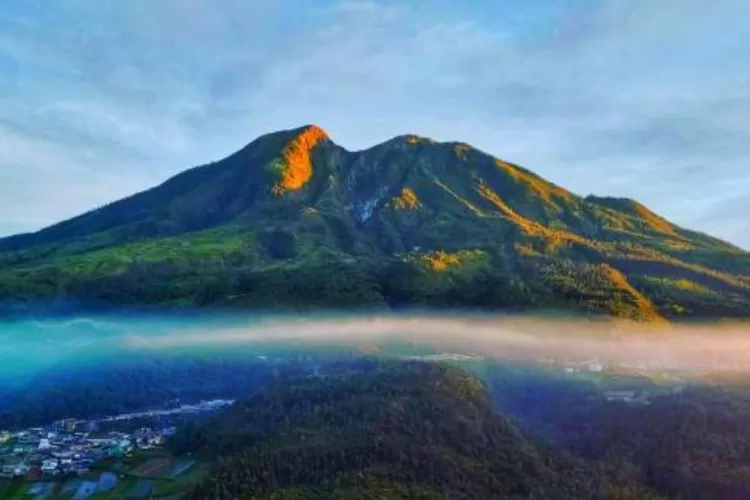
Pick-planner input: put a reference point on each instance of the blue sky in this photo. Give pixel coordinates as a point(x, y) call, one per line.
point(648, 99)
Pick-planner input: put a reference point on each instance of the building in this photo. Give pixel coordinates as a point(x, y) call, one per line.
point(156, 441)
point(9, 469)
point(68, 424)
point(594, 365)
point(50, 466)
point(21, 470)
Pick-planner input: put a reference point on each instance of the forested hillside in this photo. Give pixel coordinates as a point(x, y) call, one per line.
point(315, 425)
point(294, 221)
point(691, 444)
point(387, 431)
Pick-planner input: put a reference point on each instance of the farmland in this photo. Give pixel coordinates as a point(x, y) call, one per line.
point(142, 474)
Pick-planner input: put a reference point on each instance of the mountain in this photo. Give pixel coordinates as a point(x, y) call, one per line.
point(293, 220)
point(412, 430)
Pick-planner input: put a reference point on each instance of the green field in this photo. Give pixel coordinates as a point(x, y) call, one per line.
point(153, 471)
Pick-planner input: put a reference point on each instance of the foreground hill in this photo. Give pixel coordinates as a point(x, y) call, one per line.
point(293, 220)
point(390, 431)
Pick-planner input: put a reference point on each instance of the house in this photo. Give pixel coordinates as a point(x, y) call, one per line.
point(21, 470)
point(595, 366)
point(7, 470)
point(50, 465)
point(67, 424)
point(14, 469)
point(156, 441)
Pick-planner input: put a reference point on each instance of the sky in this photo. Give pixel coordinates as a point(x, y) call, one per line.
point(647, 99)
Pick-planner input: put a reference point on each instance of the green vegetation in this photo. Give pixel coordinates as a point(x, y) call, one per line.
point(163, 483)
point(690, 443)
point(5, 485)
point(134, 381)
point(338, 425)
point(398, 430)
point(294, 221)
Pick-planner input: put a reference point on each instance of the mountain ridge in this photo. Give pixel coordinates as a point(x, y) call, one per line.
point(448, 215)
point(321, 135)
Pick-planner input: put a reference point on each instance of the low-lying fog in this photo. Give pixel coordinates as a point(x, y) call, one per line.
point(29, 346)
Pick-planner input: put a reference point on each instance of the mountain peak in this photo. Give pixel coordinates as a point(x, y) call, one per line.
point(415, 139)
point(295, 167)
point(410, 139)
point(313, 129)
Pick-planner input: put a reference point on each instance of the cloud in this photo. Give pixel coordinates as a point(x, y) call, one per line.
point(693, 349)
point(623, 97)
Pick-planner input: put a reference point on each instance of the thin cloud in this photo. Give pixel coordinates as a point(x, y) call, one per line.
point(692, 349)
point(696, 349)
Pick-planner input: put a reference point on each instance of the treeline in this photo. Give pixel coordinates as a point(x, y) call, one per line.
point(224, 284)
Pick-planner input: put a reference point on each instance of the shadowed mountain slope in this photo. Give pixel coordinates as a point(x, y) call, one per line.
point(293, 220)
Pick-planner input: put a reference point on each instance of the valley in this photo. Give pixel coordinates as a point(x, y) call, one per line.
point(309, 401)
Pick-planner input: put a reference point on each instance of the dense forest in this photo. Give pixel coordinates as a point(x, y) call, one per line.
point(392, 430)
point(688, 444)
point(417, 430)
point(343, 426)
point(128, 383)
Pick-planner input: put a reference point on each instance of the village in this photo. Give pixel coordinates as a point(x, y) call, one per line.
point(634, 384)
point(72, 447)
point(69, 447)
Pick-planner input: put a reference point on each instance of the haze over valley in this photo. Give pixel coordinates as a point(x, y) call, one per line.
point(690, 351)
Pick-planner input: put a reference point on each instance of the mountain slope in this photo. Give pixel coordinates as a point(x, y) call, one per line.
point(293, 220)
point(390, 431)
